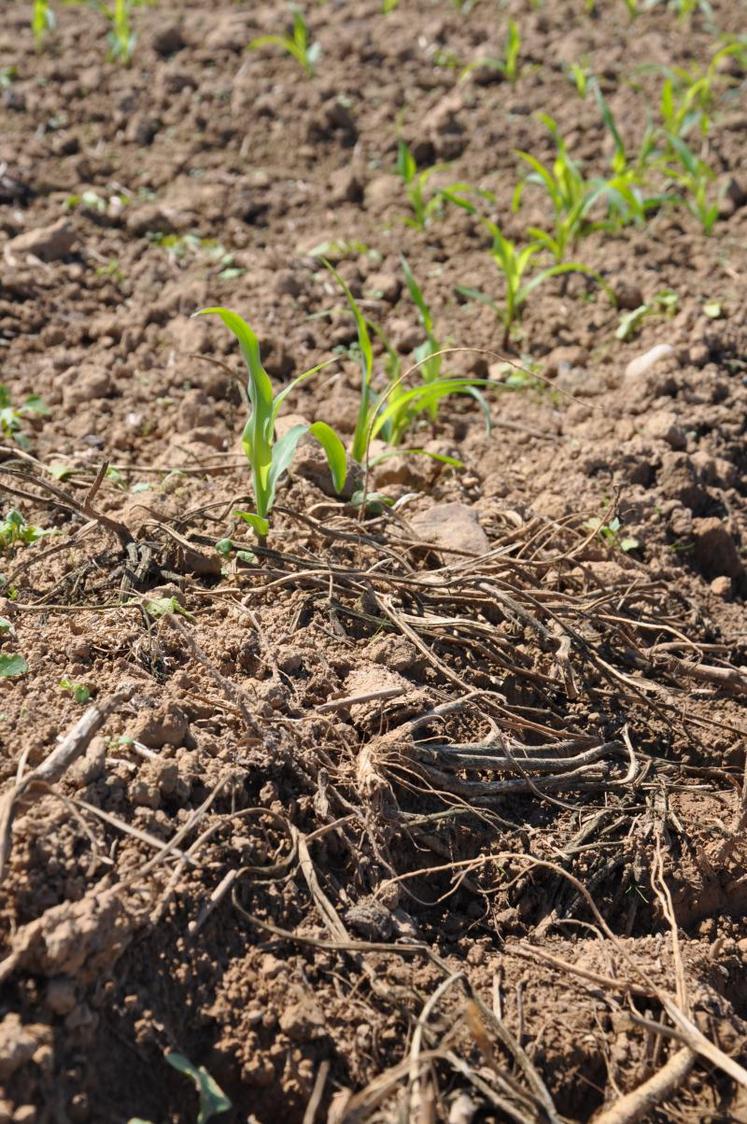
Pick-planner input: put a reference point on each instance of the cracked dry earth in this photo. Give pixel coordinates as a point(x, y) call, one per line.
point(432, 814)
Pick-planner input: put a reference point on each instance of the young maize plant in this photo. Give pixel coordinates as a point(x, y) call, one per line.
point(298, 43)
point(42, 20)
point(269, 458)
point(695, 178)
point(513, 261)
point(391, 414)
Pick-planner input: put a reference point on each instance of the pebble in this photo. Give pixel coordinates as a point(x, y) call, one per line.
point(48, 243)
point(642, 364)
point(451, 526)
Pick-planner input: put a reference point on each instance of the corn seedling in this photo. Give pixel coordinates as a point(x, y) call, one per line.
point(423, 203)
point(42, 20)
point(365, 359)
point(513, 262)
point(695, 178)
point(297, 43)
point(12, 417)
point(685, 9)
point(508, 65)
point(687, 96)
point(269, 458)
point(15, 531)
point(663, 303)
point(391, 414)
point(579, 75)
point(511, 50)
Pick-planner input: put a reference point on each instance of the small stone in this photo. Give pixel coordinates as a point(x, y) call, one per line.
point(302, 1021)
point(731, 196)
point(25, 1114)
point(148, 218)
point(663, 426)
point(384, 190)
point(48, 243)
point(86, 385)
point(166, 726)
point(387, 286)
point(168, 39)
point(699, 354)
point(61, 995)
point(721, 586)
point(142, 130)
point(451, 526)
point(716, 554)
point(345, 187)
point(628, 296)
point(642, 364)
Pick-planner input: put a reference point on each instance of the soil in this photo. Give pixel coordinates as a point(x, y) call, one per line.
point(341, 795)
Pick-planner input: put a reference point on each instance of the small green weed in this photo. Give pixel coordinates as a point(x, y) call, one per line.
point(12, 417)
point(15, 531)
point(611, 534)
point(212, 1100)
point(297, 43)
point(12, 664)
point(79, 691)
point(663, 303)
point(268, 458)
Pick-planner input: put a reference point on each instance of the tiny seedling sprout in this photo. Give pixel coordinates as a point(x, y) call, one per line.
point(269, 458)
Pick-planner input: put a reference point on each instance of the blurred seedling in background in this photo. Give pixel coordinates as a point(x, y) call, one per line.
point(579, 75)
point(12, 417)
point(269, 458)
point(508, 65)
point(42, 20)
point(513, 262)
point(297, 43)
point(695, 179)
point(15, 531)
point(663, 303)
point(424, 203)
point(188, 247)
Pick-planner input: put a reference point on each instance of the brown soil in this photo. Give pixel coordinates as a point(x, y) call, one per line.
point(265, 858)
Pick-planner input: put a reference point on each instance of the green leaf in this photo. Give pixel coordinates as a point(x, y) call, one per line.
point(79, 691)
point(258, 523)
point(224, 547)
point(713, 310)
point(5, 625)
point(334, 450)
point(360, 434)
point(213, 1100)
point(631, 321)
point(12, 665)
point(417, 295)
point(257, 436)
point(61, 471)
point(160, 606)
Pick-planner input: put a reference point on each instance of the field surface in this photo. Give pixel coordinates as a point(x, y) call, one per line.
point(429, 804)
